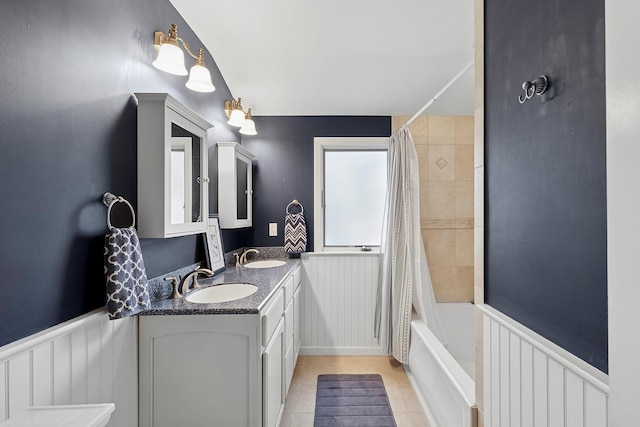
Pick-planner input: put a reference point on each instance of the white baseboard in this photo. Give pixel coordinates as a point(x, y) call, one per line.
point(342, 351)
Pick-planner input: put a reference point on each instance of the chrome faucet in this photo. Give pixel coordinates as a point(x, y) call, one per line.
point(193, 278)
point(243, 257)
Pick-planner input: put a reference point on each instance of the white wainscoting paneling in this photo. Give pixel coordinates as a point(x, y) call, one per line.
point(89, 359)
point(531, 382)
point(338, 303)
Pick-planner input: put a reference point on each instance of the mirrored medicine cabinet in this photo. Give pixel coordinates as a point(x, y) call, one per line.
point(235, 185)
point(173, 197)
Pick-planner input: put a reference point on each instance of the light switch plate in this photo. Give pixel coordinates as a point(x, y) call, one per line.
point(273, 229)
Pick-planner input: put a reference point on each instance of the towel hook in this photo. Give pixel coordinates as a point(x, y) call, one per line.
point(534, 87)
point(109, 200)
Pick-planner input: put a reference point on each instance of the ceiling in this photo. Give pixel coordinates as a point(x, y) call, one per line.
point(339, 57)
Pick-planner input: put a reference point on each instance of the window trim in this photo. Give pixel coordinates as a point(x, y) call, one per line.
point(320, 144)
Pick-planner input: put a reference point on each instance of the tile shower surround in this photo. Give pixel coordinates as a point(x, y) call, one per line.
point(445, 148)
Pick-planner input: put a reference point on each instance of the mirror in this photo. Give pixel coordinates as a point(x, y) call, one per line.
point(242, 182)
point(185, 176)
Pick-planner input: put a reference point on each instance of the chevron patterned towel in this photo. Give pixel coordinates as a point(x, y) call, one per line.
point(295, 233)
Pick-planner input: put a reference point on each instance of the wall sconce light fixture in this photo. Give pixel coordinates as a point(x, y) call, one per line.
point(534, 87)
point(238, 118)
point(171, 60)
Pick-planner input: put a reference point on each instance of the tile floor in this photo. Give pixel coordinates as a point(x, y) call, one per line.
point(300, 405)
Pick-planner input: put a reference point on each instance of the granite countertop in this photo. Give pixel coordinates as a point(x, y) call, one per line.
point(267, 280)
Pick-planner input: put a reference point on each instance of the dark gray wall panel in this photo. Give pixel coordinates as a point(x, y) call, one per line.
point(283, 168)
point(546, 238)
point(68, 134)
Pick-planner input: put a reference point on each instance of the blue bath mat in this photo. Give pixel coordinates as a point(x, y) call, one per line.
point(352, 400)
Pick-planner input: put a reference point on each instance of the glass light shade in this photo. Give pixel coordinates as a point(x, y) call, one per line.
point(170, 60)
point(236, 118)
point(248, 128)
point(200, 79)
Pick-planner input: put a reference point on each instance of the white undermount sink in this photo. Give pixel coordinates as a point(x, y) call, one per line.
point(268, 263)
point(222, 293)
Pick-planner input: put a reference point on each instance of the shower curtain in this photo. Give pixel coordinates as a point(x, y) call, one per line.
point(405, 280)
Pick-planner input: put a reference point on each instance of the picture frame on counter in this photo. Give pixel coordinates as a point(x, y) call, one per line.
point(213, 245)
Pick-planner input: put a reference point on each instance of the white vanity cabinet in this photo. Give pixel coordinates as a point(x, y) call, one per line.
point(292, 325)
point(173, 197)
point(282, 343)
point(235, 185)
point(199, 370)
point(222, 369)
point(272, 362)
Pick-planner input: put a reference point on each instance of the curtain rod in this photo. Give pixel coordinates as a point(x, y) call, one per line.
point(435, 98)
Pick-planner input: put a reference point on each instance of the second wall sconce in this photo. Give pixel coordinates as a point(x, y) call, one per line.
point(534, 87)
point(171, 60)
point(238, 118)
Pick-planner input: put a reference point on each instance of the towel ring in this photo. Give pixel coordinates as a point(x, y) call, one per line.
point(111, 200)
point(297, 203)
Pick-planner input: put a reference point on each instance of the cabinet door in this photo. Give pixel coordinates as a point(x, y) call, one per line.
point(235, 186)
point(272, 379)
point(194, 369)
point(289, 356)
point(296, 324)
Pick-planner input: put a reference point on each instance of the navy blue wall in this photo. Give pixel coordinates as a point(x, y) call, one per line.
point(67, 135)
point(283, 169)
point(546, 215)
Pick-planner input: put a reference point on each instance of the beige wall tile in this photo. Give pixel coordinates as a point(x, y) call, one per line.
point(479, 25)
point(441, 247)
point(419, 127)
point(442, 163)
point(464, 199)
point(464, 248)
point(464, 222)
point(464, 284)
point(479, 79)
point(434, 223)
point(423, 161)
point(464, 162)
point(478, 138)
point(441, 199)
point(441, 130)
point(443, 278)
point(424, 201)
point(419, 140)
point(478, 259)
point(478, 291)
point(397, 122)
point(478, 196)
point(463, 130)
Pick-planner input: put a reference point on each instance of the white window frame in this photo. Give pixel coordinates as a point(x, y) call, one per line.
point(320, 144)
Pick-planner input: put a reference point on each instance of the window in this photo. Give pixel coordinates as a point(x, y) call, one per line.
point(350, 191)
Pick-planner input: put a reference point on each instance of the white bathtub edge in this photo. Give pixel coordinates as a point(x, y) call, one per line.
point(423, 401)
point(463, 383)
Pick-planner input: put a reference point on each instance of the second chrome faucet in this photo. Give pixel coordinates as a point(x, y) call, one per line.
point(242, 259)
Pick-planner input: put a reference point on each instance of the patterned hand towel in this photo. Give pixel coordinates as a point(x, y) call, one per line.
point(295, 233)
point(125, 275)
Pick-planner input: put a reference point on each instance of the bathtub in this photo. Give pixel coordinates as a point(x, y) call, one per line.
point(443, 377)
